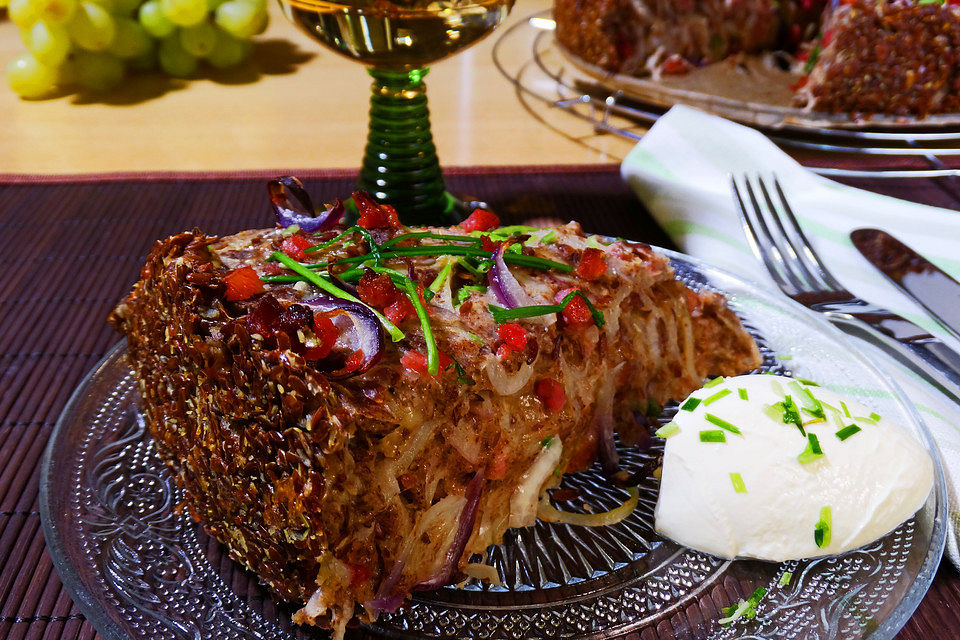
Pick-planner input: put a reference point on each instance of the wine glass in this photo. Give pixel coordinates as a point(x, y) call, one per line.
point(397, 39)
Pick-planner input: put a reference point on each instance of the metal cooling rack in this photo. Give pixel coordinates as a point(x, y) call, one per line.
point(527, 56)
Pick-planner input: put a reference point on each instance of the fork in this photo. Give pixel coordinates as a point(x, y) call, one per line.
point(776, 239)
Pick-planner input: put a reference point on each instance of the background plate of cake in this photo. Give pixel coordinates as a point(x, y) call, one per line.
point(806, 63)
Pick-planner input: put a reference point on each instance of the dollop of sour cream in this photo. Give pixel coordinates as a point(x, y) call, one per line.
point(765, 492)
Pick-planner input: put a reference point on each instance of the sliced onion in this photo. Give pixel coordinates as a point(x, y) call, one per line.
point(299, 210)
point(549, 513)
point(504, 383)
point(360, 331)
point(468, 517)
point(504, 286)
point(603, 422)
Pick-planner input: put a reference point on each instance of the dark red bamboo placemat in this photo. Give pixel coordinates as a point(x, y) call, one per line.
point(71, 247)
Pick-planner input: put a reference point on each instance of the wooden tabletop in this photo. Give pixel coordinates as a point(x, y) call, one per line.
point(295, 105)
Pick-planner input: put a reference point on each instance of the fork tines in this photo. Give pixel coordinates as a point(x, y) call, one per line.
point(775, 237)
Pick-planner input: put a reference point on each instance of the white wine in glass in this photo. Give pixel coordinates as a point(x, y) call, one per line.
point(397, 40)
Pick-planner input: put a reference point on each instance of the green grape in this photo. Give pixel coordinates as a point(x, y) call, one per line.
point(184, 13)
point(174, 60)
point(106, 4)
point(92, 28)
point(30, 78)
point(125, 7)
point(213, 4)
point(229, 51)
point(56, 11)
point(49, 43)
point(23, 13)
point(98, 72)
point(154, 21)
point(199, 40)
point(240, 19)
point(131, 41)
point(146, 62)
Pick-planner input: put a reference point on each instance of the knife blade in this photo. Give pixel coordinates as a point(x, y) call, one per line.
point(914, 275)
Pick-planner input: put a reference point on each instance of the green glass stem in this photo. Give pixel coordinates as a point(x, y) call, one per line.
point(400, 165)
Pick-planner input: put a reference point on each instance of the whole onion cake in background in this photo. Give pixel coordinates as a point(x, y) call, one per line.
point(354, 430)
point(896, 57)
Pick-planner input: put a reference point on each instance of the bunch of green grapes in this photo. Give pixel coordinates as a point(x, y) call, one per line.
point(93, 43)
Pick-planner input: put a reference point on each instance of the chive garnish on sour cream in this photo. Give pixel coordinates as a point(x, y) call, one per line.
point(723, 424)
point(691, 404)
point(667, 430)
point(743, 393)
point(812, 452)
point(821, 532)
point(713, 436)
point(719, 394)
point(738, 485)
point(713, 382)
point(847, 431)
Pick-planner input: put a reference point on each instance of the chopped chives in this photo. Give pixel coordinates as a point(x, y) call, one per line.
point(785, 357)
point(812, 452)
point(713, 436)
point(548, 237)
point(690, 404)
point(474, 338)
point(847, 431)
point(667, 430)
point(464, 292)
point(821, 532)
point(501, 315)
point(430, 235)
point(714, 382)
point(846, 411)
point(875, 417)
point(719, 394)
point(738, 484)
point(743, 393)
point(441, 278)
point(336, 291)
point(809, 383)
point(723, 424)
point(743, 609)
point(546, 442)
point(785, 578)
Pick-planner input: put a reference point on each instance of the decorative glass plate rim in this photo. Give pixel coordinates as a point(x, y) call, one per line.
point(895, 621)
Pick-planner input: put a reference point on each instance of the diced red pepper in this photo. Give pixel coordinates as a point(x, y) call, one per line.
point(417, 362)
point(592, 264)
point(504, 351)
point(487, 244)
point(827, 38)
point(353, 361)
point(513, 335)
point(242, 283)
point(294, 246)
point(327, 334)
point(576, 313)
point(359, 574)
point(551, 394)
point(800, 84)
point(377, 289)
point(480, 220)
point(374, 215)
point(497, 467)
point(399, 310)
point(676, 65)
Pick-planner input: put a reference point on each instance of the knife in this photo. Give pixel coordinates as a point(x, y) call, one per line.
point(914, 275)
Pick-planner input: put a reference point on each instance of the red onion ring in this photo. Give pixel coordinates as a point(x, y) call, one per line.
point(299, 210)
point(359, 324)
point(468, 516)
point(505, 287)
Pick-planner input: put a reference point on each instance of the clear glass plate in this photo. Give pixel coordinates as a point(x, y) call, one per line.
point(138, 567)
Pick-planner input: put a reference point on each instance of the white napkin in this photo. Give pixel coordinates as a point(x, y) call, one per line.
point(681, 171)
